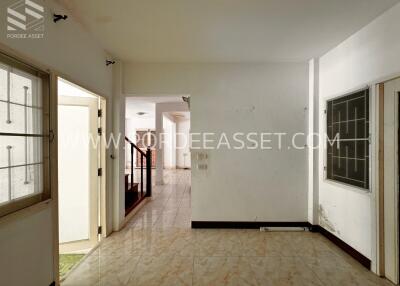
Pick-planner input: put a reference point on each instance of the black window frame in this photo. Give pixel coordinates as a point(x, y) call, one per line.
point(347, 154)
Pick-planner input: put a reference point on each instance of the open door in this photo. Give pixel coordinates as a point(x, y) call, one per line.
point(78, 173)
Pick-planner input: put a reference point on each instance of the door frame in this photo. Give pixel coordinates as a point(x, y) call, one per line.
point(106, 178)
point(94, 162)
point(381, 219)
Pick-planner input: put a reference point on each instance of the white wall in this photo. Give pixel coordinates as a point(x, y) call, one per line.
point(239, 185)
point(161, 110)
point(367, 57)
point(26, 243)
point(131, 126)
point(313, 141)
point(182, 143)
point(74, 183)
point(169, 146)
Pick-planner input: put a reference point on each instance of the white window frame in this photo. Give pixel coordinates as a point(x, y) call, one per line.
point(25, 70)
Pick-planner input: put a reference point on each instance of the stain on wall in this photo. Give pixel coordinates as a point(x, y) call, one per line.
point(325, 222)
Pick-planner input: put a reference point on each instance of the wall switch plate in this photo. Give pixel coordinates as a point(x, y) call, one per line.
point(202, 166)
point(202, 156)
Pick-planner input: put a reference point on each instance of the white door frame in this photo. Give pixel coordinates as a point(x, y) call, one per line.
point(388, 193)
point(94, 209)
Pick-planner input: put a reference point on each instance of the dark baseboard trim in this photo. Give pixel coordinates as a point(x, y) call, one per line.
point(344, 246)
point(246, 224)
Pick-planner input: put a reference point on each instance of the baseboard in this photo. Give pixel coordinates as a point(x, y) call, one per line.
point(246, 224)
point(343, 245)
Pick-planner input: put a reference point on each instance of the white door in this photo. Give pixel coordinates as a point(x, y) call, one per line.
point(78, 176)
point(391, 179)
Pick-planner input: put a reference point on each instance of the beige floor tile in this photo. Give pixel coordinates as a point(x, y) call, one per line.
point(158, 247)
point(217, 243)
point(222, 271)
point(103, 270)
point(281, 271)
point(271, 271)
point(337, 271)
point(168, 270)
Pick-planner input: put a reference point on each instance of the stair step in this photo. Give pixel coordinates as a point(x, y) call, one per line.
point(134, 189)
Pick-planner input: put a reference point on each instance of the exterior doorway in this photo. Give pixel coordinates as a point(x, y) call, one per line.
point(81, 161)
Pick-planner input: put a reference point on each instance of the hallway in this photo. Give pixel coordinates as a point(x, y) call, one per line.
point(158, 247)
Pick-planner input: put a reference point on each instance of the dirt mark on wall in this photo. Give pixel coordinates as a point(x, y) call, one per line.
point(325, 222)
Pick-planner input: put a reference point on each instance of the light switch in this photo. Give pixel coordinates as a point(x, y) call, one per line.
point(202, 156)
point(202, 166)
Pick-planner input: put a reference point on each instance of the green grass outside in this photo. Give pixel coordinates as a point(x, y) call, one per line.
point(67, 261)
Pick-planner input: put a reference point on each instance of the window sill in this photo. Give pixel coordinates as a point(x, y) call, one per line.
point(25, 211)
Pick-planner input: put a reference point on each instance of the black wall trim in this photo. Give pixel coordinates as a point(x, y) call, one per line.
point(344, 246)
point(246, 224)
point(313, 228)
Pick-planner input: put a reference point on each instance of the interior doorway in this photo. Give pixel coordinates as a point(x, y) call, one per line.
point(176, 129)
point(157, 125)
point(81, 156)
point(144, 139)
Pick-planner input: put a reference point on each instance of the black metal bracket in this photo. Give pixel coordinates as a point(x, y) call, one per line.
point(58, 17)
point(51, 136)
point(108, 62)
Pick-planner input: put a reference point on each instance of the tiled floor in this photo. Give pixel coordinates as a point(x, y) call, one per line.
point(158, 248)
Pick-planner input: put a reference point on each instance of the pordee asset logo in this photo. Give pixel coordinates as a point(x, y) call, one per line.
point(25, 20)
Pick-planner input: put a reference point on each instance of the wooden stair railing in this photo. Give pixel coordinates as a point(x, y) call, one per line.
point(134, 187)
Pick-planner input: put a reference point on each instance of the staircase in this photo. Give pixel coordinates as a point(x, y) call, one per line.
point(135, 192)
point(130, 187)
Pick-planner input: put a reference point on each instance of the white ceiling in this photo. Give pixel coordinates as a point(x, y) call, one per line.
point(223, 30)
point(147, 105)
point(135, 106)
point(156, 98)
point(180, 115)
point(66, 88)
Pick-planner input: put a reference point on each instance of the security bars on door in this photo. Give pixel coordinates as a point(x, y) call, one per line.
point(24, 146)
point(348, 139)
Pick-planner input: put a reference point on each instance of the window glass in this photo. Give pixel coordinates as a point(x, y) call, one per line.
point(22, 137)
point(348, 139)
